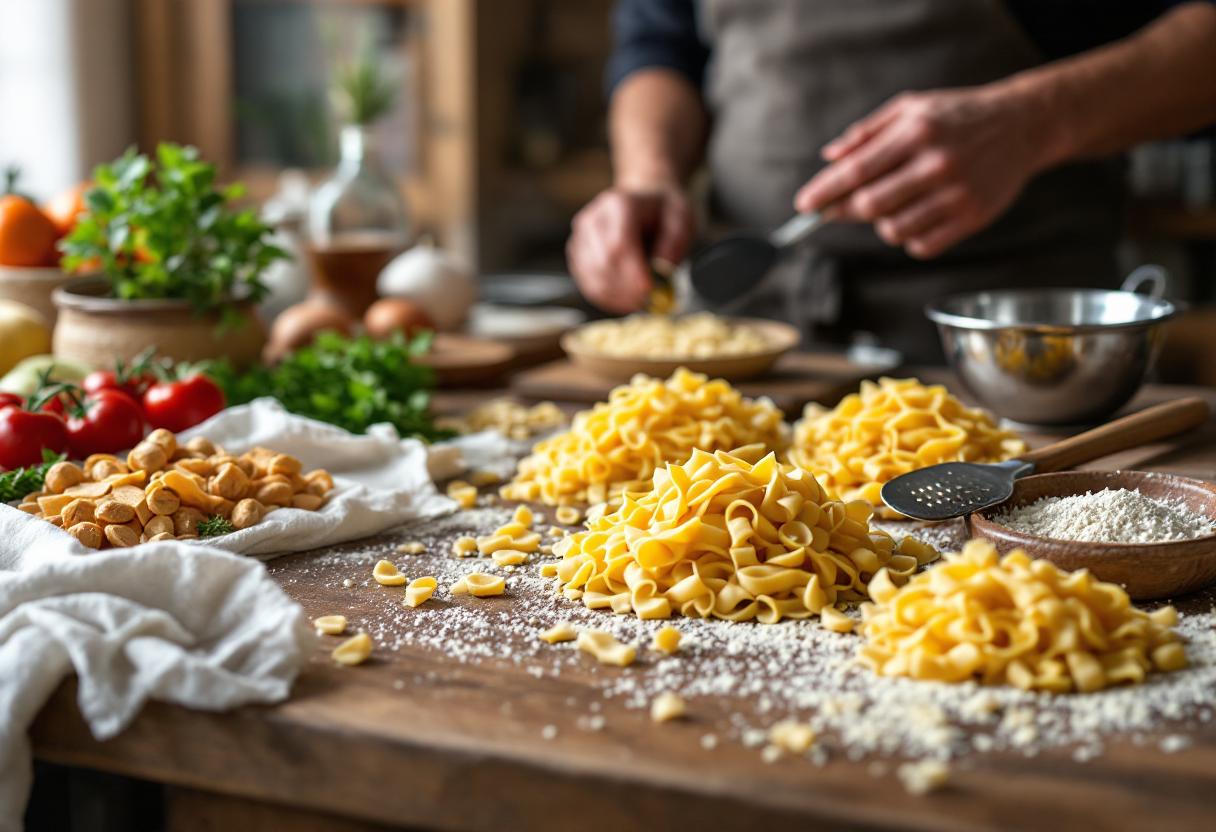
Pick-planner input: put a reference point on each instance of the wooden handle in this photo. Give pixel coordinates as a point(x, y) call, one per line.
point(1129, 432)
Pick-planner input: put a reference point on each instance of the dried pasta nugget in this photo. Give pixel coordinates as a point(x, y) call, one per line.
point(719, 536)
point(618, 445)
point(1016, 621)
point(890, 428)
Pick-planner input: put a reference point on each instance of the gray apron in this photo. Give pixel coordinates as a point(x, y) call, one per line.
point(790, 75)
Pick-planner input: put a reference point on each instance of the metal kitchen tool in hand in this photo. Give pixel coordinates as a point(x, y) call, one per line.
point(730, 267)
point(941, 492)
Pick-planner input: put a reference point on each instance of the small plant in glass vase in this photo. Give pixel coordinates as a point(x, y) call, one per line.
point(357, 219)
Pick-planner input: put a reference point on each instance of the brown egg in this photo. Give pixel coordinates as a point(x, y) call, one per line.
point(297, 325)
point(389, 314)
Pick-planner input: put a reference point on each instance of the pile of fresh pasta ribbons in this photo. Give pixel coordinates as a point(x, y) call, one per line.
point(720, 536)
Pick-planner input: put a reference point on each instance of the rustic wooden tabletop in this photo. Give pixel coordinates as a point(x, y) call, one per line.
point(424, 737)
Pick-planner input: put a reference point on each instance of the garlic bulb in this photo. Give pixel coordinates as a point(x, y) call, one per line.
point(436, 280)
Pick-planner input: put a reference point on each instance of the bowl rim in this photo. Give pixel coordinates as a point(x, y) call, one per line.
point(85, 294)
point(934, 311)
point(1092, 547)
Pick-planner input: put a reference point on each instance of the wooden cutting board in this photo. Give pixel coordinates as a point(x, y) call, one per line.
point(796, 378)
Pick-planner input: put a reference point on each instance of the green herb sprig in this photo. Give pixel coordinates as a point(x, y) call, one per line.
point(353, 383)
point(362, 91)
point(163, 230)
point(214, 527)
point(15, 484)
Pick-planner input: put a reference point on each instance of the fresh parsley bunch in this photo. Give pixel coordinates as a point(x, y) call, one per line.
point(163, 230)
point(352, 383)
point(16, 484)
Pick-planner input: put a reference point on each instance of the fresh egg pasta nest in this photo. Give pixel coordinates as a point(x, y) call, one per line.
point(890, 428)
point(719, 536)
point(617, 446)
point(974, 616)
point(700, 336)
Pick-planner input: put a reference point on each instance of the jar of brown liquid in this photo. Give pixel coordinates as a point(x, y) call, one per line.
point(357, 223)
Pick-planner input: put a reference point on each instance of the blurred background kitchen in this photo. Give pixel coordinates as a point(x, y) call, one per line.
point(494, 136)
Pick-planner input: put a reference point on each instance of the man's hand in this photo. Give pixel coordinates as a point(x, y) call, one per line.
point(607, 253)
point(931, 168)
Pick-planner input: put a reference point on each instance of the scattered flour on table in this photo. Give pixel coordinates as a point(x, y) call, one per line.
point(741, 678)
point(1108, 516)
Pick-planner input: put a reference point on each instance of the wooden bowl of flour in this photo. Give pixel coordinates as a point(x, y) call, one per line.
point(1144, 570)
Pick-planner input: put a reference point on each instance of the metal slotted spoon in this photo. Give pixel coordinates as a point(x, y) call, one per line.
point(942, 492)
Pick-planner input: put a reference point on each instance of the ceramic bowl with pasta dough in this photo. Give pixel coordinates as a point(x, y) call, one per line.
point(1055, 356)
point(1144, 570)
point(761, 343)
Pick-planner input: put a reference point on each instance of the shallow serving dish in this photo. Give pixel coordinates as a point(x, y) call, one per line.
point(781, 339)
point(1145, 570)
point(1055, 356)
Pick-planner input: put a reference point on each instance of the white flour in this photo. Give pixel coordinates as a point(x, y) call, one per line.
point(1109, 516)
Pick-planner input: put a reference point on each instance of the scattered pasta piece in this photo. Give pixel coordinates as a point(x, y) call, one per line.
point(836, 621)
point(509, 557)
point(420, 590)
point(412, 548)
point(569, 515)
point(561, 631)
point(598, 510)
point(1017, 621)
point(794, 737)
point(617, 446)
point(514, 536)
point(924, 776)
point(548, 570)
point(606, 649)
point(722, 537)
point(354, 650)
point(386, 573)
point(556, 531)
point(479, 585)
point(666, 640)
point(464, 494)
point(480, 478)
point(330, 625)
point(666, 706)
point(890, 428)
point(508, 418)
point(464, 546)
point(700, 335)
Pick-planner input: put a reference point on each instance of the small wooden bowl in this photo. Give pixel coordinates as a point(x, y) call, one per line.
point(781, 338)
point(1144, 570)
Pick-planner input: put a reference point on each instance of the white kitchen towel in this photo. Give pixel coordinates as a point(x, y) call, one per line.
point(380, 480)
point(164, 621)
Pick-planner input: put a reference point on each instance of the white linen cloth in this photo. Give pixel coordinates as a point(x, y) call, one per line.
point(380, 480)
point(182, 622)
point(165, 621)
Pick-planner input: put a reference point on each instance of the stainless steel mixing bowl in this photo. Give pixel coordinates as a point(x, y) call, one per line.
point(1055, 356)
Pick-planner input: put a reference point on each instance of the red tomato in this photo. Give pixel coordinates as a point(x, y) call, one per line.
point(11, 398)
point(110, 421)
point(24, 433)
point(54, 405)
point(178, 405)
point(134, 386)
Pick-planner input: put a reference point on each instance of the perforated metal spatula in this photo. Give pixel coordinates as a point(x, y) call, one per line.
point(941, 492)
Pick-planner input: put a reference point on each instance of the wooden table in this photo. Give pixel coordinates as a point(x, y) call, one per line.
point(416, 739)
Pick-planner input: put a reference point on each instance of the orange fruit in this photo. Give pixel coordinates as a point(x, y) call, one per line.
point(27, 236)
point(66, 207)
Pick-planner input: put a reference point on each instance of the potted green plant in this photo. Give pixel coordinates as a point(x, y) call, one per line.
point(178, 266)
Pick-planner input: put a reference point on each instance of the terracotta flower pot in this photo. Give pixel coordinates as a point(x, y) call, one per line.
point(98, 330)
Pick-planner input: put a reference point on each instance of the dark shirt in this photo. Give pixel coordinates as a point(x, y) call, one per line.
point(664, 32)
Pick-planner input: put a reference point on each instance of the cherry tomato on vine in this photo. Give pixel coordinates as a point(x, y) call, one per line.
point(178, 405)
point(24, 433)
point(133, 385)
point(107, 421)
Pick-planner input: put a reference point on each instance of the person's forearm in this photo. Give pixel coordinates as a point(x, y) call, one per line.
point(1159, 83)
point(658, 125)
